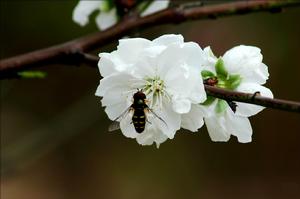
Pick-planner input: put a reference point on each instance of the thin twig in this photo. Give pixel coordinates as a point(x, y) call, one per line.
point(251, 98)
point(90, 59)
point(60, 53)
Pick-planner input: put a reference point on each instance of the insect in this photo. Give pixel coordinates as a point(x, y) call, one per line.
point(140, 112)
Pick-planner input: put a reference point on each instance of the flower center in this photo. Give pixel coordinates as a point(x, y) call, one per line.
point(156, 90)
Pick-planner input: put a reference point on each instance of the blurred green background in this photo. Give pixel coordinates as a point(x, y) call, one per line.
point(54, 139)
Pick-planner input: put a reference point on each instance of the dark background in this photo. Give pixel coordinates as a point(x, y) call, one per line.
point(54, 139)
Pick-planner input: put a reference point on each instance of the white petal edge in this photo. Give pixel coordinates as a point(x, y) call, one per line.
point(169, 39)
point(83, 10)
point(247, 110)
point(151, 135)
point(238, 126)
point(105, 20)
point(130, 49)
point(155, 6)
point(106, 64)
point(181, 105)
point(240, 57)
point(127, 127)
point(116, 79)
point(247, 62)
point(171, 118)
point(209, 60)
point(216, 127)
point(193, 120)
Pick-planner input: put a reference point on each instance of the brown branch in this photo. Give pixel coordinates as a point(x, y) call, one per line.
point(251, 98)
point(70, 50)
point(90, 59)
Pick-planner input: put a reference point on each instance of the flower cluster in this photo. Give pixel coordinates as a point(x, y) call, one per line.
point(240, 69)
point(109, 12)
point(171, 72)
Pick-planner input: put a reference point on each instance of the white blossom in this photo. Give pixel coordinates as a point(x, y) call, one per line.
point(240, 69)
point(107, 16)
point(169, 72)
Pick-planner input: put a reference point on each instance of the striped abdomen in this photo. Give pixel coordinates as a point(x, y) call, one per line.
point(139, 119)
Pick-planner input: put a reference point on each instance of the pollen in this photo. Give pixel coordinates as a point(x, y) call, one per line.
point(155, 90)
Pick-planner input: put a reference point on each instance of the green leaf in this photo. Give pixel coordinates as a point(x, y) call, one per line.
point(107, 5)
point(221, 106)
point(234, 81)
point(207, 74)
point(209, 100)
point(220, 69)
point(32, 74)
point(143, 5)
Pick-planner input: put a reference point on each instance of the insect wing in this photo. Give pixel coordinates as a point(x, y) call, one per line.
point(115, 125)
point(151, 115)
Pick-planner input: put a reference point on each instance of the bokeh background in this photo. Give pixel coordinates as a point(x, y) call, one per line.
point(54, 139)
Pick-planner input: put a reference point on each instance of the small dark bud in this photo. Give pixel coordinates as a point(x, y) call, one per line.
point(212, 81)
point(232, 105)
point(125, 4)
point(257, 93)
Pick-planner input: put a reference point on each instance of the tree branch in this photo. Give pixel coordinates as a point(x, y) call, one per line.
point(69, 50)
point(251, 98)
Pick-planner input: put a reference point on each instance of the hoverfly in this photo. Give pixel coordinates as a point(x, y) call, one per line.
point(140, 110)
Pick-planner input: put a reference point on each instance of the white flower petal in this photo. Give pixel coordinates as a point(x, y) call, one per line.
point(197, 94)
point(177, 82)
point(238, 126)
point(193, 120)
point(129, 49)
point(242, 56)
point(192, 54)
point(106, 19)
point(117, 94)
point(150, 135)
point(106, 65)
point(209, 59)
point(263, 71)
point(189, 54)
point(116, 110)
point(220, 127)
point(113, 62)
point(247, 62)
point(183, 75)
point(145, 138)
point(127, 127)
point(172, 120)
point(181, 105)
point(185, 83)
point(168, 39)
point(116, 79)
point(156, 6)
point(83, 10)
point(144, 67)
point(209, 110)
point(247, 110)
point(216, 127)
